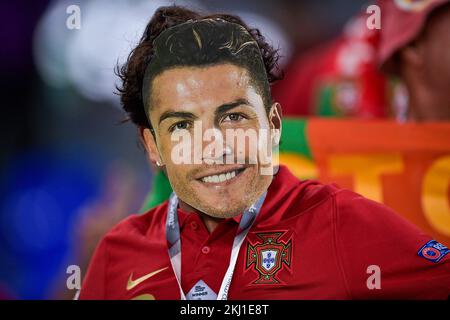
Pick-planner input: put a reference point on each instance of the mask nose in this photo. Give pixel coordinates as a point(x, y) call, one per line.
point(215, 150)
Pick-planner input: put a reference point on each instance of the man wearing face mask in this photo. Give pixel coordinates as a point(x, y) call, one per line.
point(237, 226)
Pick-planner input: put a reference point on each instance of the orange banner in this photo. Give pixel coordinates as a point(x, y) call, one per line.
point(405, 166)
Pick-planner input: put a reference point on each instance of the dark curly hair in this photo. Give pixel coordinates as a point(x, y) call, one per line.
point(133, 72)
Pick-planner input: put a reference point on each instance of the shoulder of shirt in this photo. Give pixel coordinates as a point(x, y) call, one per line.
point(309, 194)
point(354, 210)
point(304, 195)
point(294, 196)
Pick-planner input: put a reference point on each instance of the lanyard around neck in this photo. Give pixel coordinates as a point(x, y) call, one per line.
point(174, 240)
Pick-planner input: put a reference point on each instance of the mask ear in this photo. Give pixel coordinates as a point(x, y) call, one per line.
point(275, 115)
point(148, 140)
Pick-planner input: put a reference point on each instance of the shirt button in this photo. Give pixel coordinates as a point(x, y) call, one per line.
point(194, 225)
point(206, 249)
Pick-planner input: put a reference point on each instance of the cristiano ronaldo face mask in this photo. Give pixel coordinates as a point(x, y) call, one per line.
point(213, 130)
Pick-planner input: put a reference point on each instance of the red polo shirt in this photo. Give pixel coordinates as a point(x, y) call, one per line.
point(310, 241)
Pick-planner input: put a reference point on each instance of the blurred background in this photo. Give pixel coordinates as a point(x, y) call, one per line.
point(69, 168)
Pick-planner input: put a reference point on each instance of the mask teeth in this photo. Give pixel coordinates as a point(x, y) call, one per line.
point(220, 178)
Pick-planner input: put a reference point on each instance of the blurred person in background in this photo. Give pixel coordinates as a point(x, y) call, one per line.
point(338, 78)
point(343, 78)
point(415, 45)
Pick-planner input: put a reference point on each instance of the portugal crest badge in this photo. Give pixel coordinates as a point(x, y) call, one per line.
point(268, 256)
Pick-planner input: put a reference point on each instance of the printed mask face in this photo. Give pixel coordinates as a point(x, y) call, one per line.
point(213, 128)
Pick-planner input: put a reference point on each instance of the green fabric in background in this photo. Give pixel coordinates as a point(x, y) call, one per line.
point(294, 138)
point(160, 191)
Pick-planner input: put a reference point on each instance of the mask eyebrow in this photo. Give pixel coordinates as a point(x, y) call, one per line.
point(176, 114)
point(228, 106)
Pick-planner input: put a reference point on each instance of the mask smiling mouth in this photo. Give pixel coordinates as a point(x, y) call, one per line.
point(221, 176)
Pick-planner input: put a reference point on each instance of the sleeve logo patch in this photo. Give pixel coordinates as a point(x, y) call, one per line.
point(433, 251)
